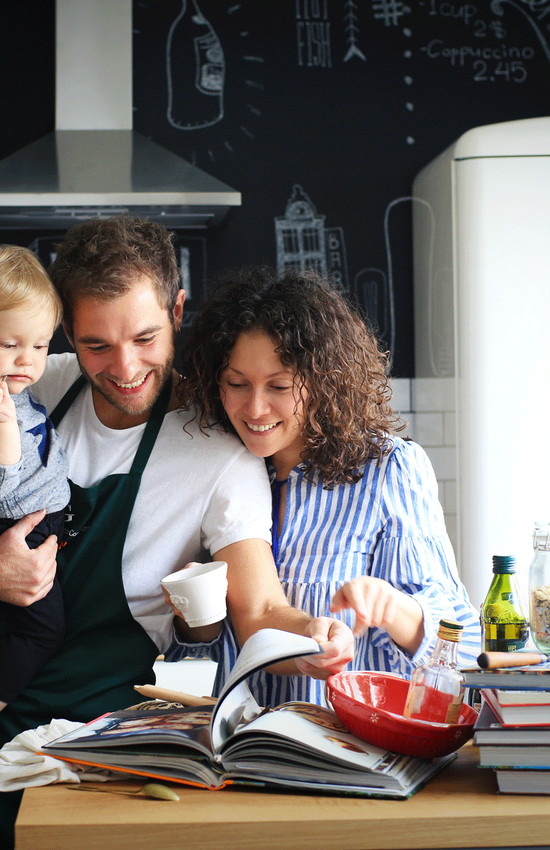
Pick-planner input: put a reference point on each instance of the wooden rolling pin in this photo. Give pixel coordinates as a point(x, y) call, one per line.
point(153, 692)
point(491, 660)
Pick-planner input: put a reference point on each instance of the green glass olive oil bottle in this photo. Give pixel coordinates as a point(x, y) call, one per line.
point(504, 619)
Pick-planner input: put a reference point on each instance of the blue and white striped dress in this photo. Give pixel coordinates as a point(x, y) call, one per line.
point(388, 525)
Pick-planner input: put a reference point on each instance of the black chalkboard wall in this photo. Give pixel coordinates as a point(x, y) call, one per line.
point(327, 108)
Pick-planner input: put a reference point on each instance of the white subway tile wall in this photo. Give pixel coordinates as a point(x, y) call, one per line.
point(433, 394)
point(401, 399)
point(432, 424)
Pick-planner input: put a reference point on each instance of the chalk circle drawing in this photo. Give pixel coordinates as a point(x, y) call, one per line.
point(195, 68)
point(300, 235)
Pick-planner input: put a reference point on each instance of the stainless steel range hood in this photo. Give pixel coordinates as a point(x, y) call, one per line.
point(94, 164)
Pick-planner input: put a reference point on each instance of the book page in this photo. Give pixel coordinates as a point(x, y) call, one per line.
point(300, 743)
point(316, 729)
point(185, 727)
point(236, 704)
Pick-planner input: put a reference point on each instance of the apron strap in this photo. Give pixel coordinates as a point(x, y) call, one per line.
point(63, 405)
point(152, 428)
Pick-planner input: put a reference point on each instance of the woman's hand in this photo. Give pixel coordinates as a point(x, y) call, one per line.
point(377, 603)
point(374, 601)
point(337, 642)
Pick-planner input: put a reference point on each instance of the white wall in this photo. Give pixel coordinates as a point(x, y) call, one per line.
point(433, 426)
point(190, 676)
point(432, 420)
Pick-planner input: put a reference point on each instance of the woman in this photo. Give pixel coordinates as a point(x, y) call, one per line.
point(284, 362)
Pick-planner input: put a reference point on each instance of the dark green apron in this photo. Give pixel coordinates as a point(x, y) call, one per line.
point(106, 652)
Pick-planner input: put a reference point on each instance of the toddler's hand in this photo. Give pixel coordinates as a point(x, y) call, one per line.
point(7, 407)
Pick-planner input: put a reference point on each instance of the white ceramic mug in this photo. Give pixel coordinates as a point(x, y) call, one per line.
point(199, 591)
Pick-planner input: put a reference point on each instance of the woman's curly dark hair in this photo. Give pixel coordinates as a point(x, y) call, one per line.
point(347, 411)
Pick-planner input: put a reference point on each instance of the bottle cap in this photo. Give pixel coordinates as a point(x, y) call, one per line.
point(541, 536)
point(504, 564)
point(450, 630)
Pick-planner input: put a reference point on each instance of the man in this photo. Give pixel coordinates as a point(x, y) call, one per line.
point(149, 492)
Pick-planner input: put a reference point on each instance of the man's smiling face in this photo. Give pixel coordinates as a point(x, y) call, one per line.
point(125, 348)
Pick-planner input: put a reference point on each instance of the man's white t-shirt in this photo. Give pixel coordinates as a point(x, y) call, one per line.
point(198, 494)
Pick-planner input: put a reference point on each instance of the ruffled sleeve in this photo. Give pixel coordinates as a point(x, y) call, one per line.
point(414, 553)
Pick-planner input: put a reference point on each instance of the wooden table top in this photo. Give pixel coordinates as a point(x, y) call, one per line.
point(460, 807)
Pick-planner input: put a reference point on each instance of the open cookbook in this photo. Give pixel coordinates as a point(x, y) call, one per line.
point(297, 746)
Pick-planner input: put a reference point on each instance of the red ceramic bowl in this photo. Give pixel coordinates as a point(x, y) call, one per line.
point(370, 705)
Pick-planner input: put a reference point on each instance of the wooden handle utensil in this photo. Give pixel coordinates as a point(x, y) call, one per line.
point(153, 692)
point(491, 660)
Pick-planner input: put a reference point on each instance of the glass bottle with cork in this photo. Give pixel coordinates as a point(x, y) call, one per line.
point(504, 621)
point(436, 689)
point(539, 588)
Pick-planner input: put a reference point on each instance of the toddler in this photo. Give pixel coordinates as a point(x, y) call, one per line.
point(33, 471)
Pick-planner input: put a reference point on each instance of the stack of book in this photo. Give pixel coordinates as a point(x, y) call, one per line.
point(513, 727)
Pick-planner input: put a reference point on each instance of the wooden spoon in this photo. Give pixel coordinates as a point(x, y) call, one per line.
point(151, 789)
point(155, 692)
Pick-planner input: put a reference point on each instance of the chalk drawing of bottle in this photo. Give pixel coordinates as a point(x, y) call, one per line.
point(195, 68)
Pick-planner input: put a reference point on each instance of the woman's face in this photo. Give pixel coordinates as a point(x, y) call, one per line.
point(262, 400)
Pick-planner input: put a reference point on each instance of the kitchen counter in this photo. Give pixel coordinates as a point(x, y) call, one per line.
point(459, 808)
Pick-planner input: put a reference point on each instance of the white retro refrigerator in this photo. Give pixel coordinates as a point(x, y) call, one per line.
point(481, 220)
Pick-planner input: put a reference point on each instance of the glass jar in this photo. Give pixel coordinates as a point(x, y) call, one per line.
point(539, 587)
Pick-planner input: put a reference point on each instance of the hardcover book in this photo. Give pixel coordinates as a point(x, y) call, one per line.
point(517, 715)
point(489, 730)
point(523, 781)
point(296, 746)
point(528, 677)
point(514, 697)
point(504, 757)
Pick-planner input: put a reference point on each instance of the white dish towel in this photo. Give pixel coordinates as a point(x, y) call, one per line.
point(21, 766)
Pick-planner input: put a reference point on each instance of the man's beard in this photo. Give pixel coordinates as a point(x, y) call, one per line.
point(162, 374)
